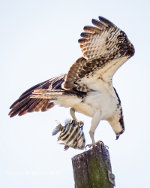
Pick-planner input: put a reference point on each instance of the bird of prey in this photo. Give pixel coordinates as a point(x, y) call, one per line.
point(87, 88)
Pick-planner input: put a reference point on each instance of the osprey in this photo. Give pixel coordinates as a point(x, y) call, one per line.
point(87, 87)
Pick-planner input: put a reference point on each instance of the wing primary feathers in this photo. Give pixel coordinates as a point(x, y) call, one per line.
point(44, 84)
point(24, 95)
point(22, 108)
point(83, 41)
point(91, 29)
point(106, 22)
point(98, 24)
point(26, 104)
point(40, 105)
point(85, 35)
point(33, 106)
point(45, 107)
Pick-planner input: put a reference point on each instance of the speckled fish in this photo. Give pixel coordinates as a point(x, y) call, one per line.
point(71, 134)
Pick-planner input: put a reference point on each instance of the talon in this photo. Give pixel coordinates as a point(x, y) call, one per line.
point(93, 144)
point(88, 145)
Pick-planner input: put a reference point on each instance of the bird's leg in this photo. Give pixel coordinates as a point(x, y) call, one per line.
point(72, 113)
point(94, 123)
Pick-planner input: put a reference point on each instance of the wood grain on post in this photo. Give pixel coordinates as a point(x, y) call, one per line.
point(92, 168)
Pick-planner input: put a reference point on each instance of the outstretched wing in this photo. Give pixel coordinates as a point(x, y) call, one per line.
point(105, 48)
point(97, 40)
point(26, 104)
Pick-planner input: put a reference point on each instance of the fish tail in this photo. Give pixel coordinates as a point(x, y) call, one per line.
point(57, 129)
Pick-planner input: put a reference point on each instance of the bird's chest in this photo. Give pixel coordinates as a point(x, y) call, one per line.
point(95, 101)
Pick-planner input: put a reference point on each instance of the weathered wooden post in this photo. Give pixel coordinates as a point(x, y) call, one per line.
point(92, 168)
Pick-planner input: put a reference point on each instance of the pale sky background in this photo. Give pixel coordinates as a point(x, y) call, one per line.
point(38, 40)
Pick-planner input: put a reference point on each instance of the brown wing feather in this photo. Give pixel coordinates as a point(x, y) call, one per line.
point(26, 104)
point(93, 43)
point(105, 48)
